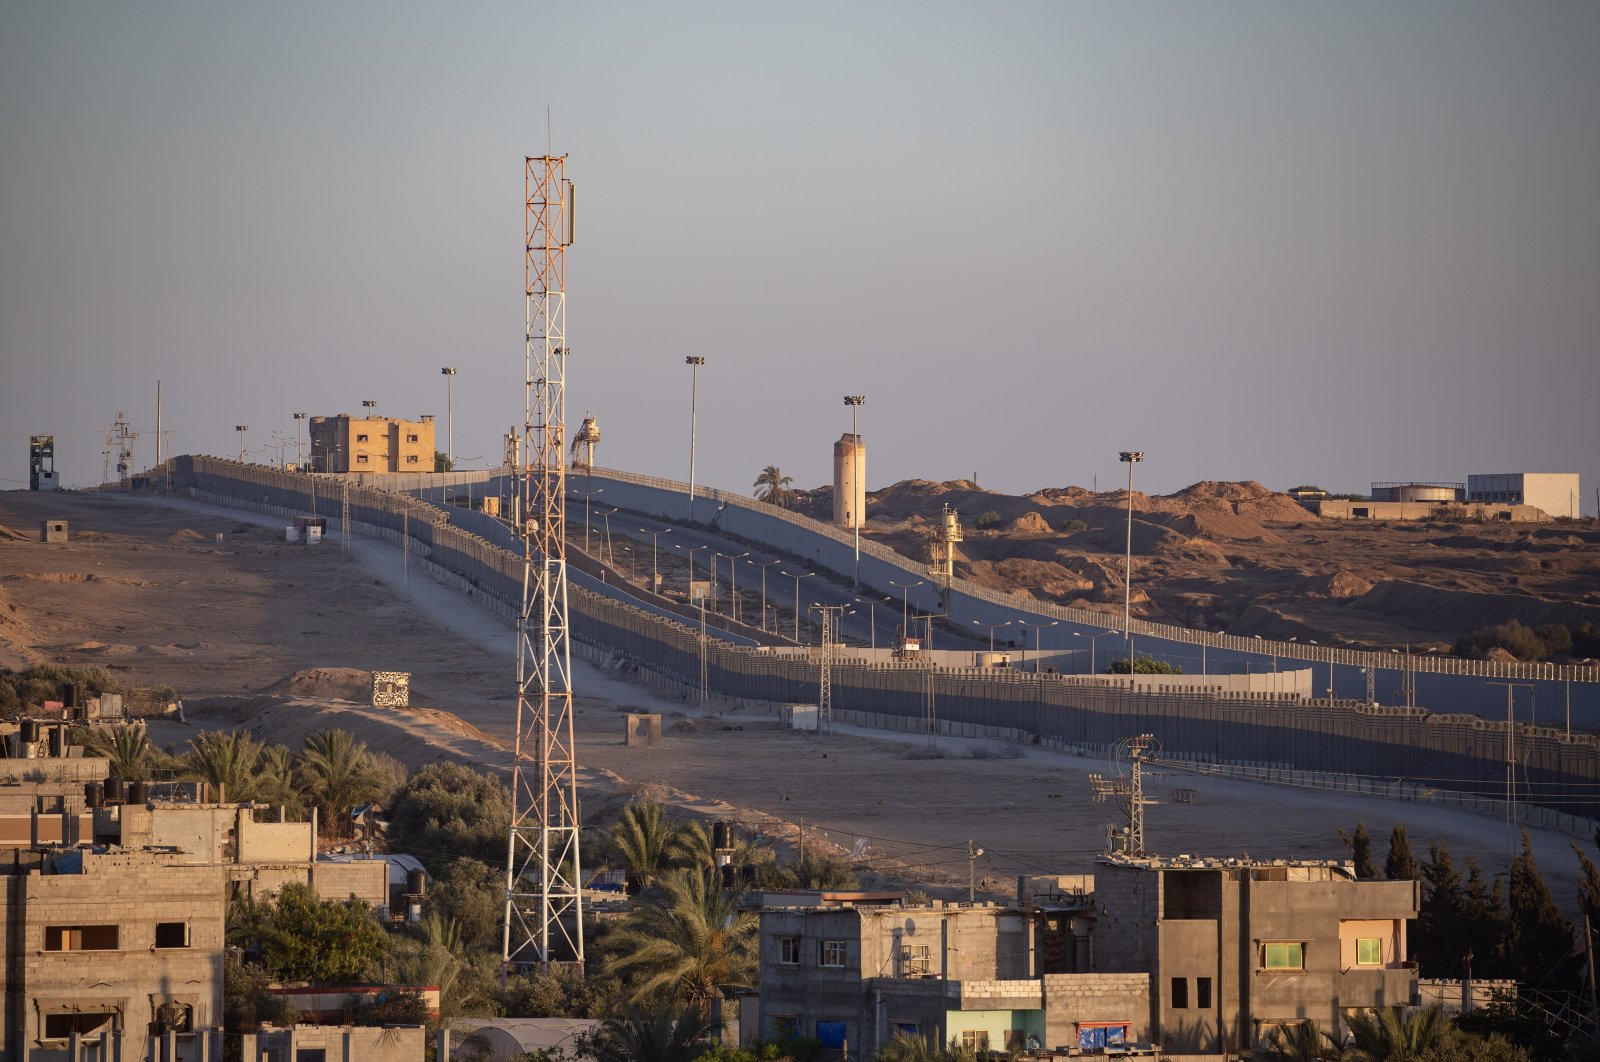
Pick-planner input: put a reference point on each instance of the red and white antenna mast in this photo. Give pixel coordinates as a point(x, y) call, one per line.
point(544, 896)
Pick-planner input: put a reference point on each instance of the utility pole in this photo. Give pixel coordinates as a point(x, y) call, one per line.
point(1511, 755)
point(1130, 458)
point(449, 374)
point(972, 871)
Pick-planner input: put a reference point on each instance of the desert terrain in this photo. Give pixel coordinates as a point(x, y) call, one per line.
point(1243, 559)
point(256, 632)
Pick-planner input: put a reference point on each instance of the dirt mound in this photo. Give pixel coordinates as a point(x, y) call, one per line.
point(1339, 584)
point(6, 532)
point(1028, 524)
point(683, 726)
point(1246, 498)
point(186, 535)
point(326, 684)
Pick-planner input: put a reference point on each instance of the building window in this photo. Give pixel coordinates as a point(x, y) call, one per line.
point(62, 1026)
point(974, 1040)
point(905, 1028)
point(362, 437)
point(831, 1034)
point(411, 438)
point(80, 938)
point(830, 953)
point(311, 1054)
point(786, 1026)
point(1180, 993)
point(1282, 956)
point(789, 951)
point(172, 934)
point(411, 459)
point(1369, 951)
point(1202, 993)
point(361, 459)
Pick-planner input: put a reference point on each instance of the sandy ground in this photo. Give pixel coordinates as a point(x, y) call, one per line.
point(147, 589)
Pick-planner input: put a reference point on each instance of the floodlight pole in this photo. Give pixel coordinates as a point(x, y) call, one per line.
point(1129, 458)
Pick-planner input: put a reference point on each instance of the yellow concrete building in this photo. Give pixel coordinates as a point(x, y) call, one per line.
point(347, 443)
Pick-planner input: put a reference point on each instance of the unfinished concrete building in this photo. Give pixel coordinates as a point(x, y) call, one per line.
point(347, 443)
point(1204, 957)
point(110, 955)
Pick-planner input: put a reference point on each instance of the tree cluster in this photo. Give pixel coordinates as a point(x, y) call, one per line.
point(1142, 665)
point(1545, 642)
point(1471, 925)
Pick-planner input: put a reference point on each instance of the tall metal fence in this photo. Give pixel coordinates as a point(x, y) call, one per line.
point(1537, 766)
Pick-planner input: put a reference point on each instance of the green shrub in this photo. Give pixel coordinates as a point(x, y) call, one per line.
point(1074, 525)
point(1144, 665)
point(988, 519)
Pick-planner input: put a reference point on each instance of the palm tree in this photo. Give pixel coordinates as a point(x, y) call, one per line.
point(1305, 1042)
point(1389, 1034)
point(644, 841)
point(773, 486)
point(696, 942)
point(275, 783)
point(660, 1035)
point(336, 772)
point(224, 760)
point(127, 747)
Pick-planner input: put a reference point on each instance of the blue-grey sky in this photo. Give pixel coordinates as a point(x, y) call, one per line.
point(1298, 242)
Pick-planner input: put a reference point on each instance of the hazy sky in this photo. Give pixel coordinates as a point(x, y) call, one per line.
point(1288, 242)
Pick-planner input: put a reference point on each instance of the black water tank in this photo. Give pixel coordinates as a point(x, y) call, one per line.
point(30, 730)
point(138, 792)
point(114, 791)
point(748, 874)
point(721, 835)
point(728, 871)
point(72, 694)
point(416, 881)
point(94, 794)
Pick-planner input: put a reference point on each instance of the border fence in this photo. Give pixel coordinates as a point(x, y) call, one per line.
point(1552, 777)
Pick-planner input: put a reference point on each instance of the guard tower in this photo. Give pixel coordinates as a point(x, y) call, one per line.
point(943, 562)
point(42, 463)
point(588, 435)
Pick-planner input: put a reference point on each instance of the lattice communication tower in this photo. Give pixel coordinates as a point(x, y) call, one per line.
point(544, 898)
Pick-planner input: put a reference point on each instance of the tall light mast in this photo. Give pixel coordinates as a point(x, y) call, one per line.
point(544, 897)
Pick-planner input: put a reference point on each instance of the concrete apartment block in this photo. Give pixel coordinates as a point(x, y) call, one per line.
point(98, 947)
point(1236, 951)
point(346, 443)
point(815, 961)
point(1202, 957)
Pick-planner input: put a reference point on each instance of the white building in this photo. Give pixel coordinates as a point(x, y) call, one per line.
point(1557, 493)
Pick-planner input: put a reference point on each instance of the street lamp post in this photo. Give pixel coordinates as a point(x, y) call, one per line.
point(796, 577)
point(992, 628)
point(905, 609)
point(694, 364)
point(241, 429)
point(299, 419)
point(764, 565)
point(1038, 630)
point(449, 373)
point(691, 551)
point(733, 582)
point(1095, 638)
point(655, 572)
point(1129, 458)
point(855, 402)
point(370, 404)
